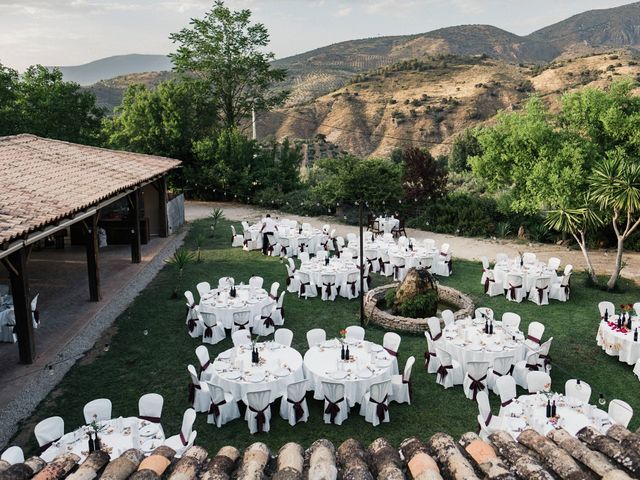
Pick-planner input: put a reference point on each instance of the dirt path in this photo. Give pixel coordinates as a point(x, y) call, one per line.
point(461, 247)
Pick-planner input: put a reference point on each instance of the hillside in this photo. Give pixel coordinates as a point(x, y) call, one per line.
point(426, 103)
point(115, 66)
point(109, 93)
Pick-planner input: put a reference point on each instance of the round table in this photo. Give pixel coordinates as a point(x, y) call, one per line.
point(118, 435)
point(412, 257)
point(224, 306)
point(529, 273)
point(340, 268)
point(466, 341)
point(529, 411)
point(369, 364)
point(279, 367)
point(388, 224)
point(619, 341)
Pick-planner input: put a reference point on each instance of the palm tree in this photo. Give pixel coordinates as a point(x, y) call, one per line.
point(180, 259)
point(615, 188)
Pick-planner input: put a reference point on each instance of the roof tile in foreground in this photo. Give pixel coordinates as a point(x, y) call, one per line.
point(43, 180)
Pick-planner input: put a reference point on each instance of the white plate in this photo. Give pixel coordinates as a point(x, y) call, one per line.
point(458, 341)
point(383, 362)
point(231, 375)
point(253, 300)
point(256, 377)
point(475, 347)
point(282, 372)
point(150, 445)
point(365, 373)
point(338, 374)
point(150, 430)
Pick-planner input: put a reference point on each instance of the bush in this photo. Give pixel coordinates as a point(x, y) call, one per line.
point(389, 298)
point(421, 306)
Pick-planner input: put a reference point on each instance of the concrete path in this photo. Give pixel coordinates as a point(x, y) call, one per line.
point(461, 247)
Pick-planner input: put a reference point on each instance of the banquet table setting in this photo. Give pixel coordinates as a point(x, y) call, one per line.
point(116, 436)
point(278, 367)
point(387, 224)
point(289, 230)
point(412, 256)
point(529, 272)
point(620, 341)
point(341, 268)
point(572, 415)
point(224, 305)
point(369, 363)
point(466, 341)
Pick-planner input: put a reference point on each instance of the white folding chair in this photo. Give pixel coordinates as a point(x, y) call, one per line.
point(544, 359)
point(487, 422)
point(449, 372)
point(316, 336)
point(203, 288)
point(206, 366)
point(529, 258)
point(223, 407)
point(355, 332)
point(35, 314)
point(539, 294)
point(444, 262)
point(553, 263)
point(522, 368)
point(491, 286)
point(241, 320)
point(293, 405)
point(435, 330)
point(150, 407)
point(576, 388)
point(336, 409)
point(534, 336)
point(225, 282)
point(256, 282)
point(385, 264)
point(485, 268)
point(375, 403)
point(431, 362)
point(321, 255)
point(606, 309)
point(304, 257)
point(538, 382)
point(278, 313)
point(48, 431)
point(241, 337)
point(501, 367)
point(401, 384)
point(283, 336)
point(236, 239)
point(371, 255)
point(398, 265)
point(198, 399)
point(184, 440)
point(98, 410)
point(13, 455)
point(258, 414)
point(193, 324)
point(263, 324)
point(293, 283)
point(351, 287)
point(329, 288)
point(511, 322)
point(285, 247)
point(620, 412)
point(514, 287)
point(307, 288)
point(561, 290)
point(506, 387)
point(448, 317)
point(391, 343)
point(475, 379)
point(212, 331)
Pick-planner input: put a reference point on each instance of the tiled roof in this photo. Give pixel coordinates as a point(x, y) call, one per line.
point(589, 455)
point(43, 180)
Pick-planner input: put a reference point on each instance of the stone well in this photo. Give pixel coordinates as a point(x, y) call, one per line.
point(388, 321)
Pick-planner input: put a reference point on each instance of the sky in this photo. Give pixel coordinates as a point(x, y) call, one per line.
point(73, 32)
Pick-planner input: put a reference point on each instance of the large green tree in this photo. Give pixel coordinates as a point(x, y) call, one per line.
point(226, 53)
point(42, 103)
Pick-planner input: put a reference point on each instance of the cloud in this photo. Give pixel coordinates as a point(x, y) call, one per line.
point(344, 12)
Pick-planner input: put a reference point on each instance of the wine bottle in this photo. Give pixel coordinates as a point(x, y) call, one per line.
point(491, 328)
point(97, 444)
point(553, 409)
point(606, 315)
point(346, 353)
point(342, 352)
point(635, 335)
point(629, 322)
point(548, 412)
point(486, 325)
point(91, 444)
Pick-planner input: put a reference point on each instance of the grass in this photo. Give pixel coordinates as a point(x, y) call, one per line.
point(136, 363)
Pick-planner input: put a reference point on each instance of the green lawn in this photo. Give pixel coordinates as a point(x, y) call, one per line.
point(137, 364)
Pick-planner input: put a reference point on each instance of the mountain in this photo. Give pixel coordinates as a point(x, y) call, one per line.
point(612, 27)
point(110, 67)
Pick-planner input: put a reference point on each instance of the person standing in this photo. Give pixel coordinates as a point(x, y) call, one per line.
point(269, 227)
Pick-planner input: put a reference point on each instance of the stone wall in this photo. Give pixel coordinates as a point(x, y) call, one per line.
point(392, 322)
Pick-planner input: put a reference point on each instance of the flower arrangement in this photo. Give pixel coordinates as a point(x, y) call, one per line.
point(626, 308)
point(343, 335)
point(95, 426)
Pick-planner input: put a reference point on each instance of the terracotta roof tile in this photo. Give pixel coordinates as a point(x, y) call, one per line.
point(44, 180)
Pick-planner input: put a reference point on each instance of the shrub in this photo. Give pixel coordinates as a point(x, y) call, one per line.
point(389, 298)
point(421, 306)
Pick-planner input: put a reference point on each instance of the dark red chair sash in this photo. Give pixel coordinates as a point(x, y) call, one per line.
point(443, 371)
point(487, 420)
point(507, 402)
point(183, 440)
point(267, 321)
point(333, 408)
point(192, 392)
point(381, 407)
point(477, 385)
point(533, 339)
point(149, 419)
point(391, 352)
point(214, 409)
point(297, 408)
point(261, 418)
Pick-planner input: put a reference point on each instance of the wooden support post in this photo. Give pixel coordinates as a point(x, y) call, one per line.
point(134, 219)
point(163, 220)
point(92, 258)
point(22, 305)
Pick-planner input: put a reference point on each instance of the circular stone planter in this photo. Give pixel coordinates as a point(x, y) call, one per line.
point(388, 321)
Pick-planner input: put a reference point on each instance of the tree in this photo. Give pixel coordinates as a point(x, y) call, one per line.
point(464, 146)
point(8, 93)
point(225, 52)
point(163, 121)
point(423, 176)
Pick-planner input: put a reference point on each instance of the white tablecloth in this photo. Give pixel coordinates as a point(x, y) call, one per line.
point(135, 433)
point(7, 316)
point(311, 237)
point(224, 306)
point(466, 341)
point(280, 366)
point(412, 257)
point(530, 273)
point(619, 342)
point(529, 411)
point(387, 224)
point(370, 364)
point(340, 268)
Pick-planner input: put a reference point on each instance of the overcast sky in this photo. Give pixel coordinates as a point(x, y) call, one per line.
point(72, 32)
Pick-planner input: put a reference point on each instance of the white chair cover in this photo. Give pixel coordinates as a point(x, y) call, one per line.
point(293, 282)
point(197, 397)
point(202, 288)
point(391, 343)
point(258, 414)
point(534, 336)
point(536, 381)
point(553, 263)
point(385, 264)
point(492, 287)
point(448, 317)
point(529, 258)
point(539, 294)
point(316, 336)
point(264, 324)
point(256, 282)
point(487, 422)
point(336, 409)
point(355, 332)
point(515, 289)
point(511, 321)
point(236, 240)
point(401, 384)
point(485, 268)
point(206, 367)
point(475, 380)
point(241, 337)
point(293, 405)
point(283, 336)
point(375, 404)
point(620, 412)
point(278, 313)
point(398, 265)
point(606, 307)
point(225, 282)
point(304, 257)
point(307, 288)
point(150, 407)
point(506, 385)
point(449, 372)
point(329, 287)
point(212, 331)
point(435, 330)
point(523, 367)
point(48, 431)
point(13, 455)
point(98, 409)
point(184, 440)
point(561, 290)
point(351, 287)
point(223, 407)
point(241, 320)
point(431, 361)
point(193, 324)
point(544, 359)
point(501, 367)
point(578, 389)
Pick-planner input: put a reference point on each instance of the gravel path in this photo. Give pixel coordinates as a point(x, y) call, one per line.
point(461, 247)
point(36, 386)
